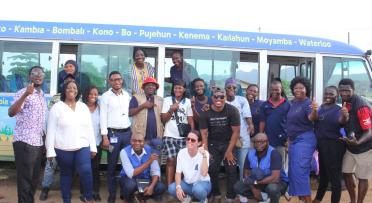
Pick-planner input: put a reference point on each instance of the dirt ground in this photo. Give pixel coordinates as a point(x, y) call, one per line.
point(8, 188)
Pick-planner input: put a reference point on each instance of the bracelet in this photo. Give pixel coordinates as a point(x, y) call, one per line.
point(178, 187)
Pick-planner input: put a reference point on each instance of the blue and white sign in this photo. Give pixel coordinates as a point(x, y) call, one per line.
point(166, 35)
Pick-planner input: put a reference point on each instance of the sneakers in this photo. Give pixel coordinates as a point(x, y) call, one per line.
point(44, 194)
point(96, 197)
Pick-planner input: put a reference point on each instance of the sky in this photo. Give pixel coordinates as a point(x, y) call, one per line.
point(318, 18)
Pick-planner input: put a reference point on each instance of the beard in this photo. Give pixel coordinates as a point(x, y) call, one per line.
point(37, 85)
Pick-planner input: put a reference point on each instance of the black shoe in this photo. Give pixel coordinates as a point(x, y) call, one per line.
point(122, 197)
point(111, 199)
point(96, 197)
point(44, 194)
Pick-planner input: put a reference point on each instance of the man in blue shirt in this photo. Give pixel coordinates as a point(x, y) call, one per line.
point(141, 170)
point(263, 171)
point(273, 116)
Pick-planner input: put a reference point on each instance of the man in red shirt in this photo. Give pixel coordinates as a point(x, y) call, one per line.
point(358, 157)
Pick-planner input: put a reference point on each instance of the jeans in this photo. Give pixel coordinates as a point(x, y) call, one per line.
point(273, 190)
point(198, 190)
point(217, 151)
point(242, 155)
point(68, 161)
point(331, 153)
point(95, 172)
point(129, 187)
point(50, 168)
point(28, 164)
point(123, 139)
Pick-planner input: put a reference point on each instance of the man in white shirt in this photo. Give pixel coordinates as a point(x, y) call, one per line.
point(115, 126)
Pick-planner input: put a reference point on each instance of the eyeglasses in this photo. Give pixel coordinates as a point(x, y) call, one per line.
point(116, 79)
point(192, 140)
point(260, 141)
point(219, 96)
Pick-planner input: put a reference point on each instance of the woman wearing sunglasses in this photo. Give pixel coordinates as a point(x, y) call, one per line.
point(193, 163)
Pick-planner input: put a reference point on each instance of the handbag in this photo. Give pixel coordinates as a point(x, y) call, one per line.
point(183, 128)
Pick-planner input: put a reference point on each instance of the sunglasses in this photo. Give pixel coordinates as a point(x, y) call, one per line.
point(192, 140)
point(219, 96)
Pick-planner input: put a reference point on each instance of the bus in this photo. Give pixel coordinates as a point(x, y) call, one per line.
point(217, 55)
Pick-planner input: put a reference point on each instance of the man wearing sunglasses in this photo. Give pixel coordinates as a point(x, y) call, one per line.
point(29, 108)
point(263, 172)
point(220, 128)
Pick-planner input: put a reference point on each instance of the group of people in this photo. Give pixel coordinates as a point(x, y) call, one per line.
point(195, 133)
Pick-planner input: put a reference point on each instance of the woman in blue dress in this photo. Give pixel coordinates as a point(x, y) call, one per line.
point(302, 140)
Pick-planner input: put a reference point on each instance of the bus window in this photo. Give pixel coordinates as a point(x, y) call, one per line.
point(16, 60)
point(336, 68)
point(215, 66)
point(97, 61)
point(287, 73)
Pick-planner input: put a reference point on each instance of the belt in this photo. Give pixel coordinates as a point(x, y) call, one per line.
point(118, 130)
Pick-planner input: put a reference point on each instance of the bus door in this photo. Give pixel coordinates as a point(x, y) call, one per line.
point(288, 67)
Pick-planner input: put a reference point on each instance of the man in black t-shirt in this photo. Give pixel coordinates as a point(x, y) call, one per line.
point(263, 171)
point(220, 128)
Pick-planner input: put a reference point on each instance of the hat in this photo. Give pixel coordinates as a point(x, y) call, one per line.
point(230, 81)
point(73, 63)
point(156, 146)
point(150, 80)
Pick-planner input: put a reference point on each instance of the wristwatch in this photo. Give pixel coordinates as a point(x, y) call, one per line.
point(255, 182)
point(178, 186)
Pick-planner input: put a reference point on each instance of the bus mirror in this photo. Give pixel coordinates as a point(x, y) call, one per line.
point(368, 52)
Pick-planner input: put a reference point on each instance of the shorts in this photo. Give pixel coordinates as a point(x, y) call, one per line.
point(172, 146)
point(360, 164)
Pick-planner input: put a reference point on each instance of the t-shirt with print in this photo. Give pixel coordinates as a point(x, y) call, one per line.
point(191, 166)
point(242, 105)
point(183, 112)
point(219, 123)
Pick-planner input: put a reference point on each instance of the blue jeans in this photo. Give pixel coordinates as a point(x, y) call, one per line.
point(123, 139)
point(68, 161)
point(242, 155)
point(199, 190)
point(50, 168)
point(129, 187)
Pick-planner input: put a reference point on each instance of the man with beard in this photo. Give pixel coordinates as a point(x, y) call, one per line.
point(29, 108)
point(115, 126)
point(358, 156)
point(147, 107)
point(200, 102)
point(220, 129)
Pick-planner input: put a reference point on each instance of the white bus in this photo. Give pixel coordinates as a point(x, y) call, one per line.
point(216, 54)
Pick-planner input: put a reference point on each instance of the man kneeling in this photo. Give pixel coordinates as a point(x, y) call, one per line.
point(263, 172)
point(141, 171)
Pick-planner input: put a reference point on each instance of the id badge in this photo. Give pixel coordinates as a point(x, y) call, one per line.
point(113, 140)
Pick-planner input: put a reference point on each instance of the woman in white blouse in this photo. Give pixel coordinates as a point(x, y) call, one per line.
point(70, 138)
point(193, 163)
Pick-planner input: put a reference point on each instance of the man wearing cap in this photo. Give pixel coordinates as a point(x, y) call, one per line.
point(220, 129)
point(263, 172)
point(141, 170)
point(147, 107)
point(115, 126)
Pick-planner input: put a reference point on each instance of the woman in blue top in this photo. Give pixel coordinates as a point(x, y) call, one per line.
point(331, 148)
point(302, 141)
